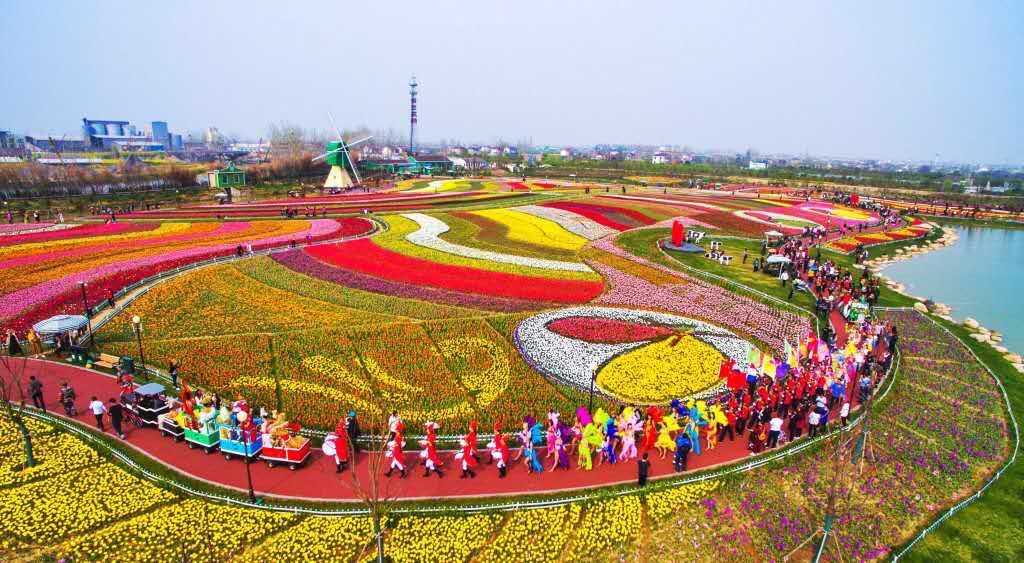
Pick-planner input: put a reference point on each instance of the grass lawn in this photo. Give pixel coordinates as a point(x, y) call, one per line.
point(643, 243)
point(992, 527)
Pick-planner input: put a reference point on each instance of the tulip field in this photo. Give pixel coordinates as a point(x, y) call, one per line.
point(461, 300)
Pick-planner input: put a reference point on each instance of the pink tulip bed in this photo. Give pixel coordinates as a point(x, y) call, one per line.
point(61, 293)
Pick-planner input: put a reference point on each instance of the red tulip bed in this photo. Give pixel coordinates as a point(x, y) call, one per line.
point(618, 218)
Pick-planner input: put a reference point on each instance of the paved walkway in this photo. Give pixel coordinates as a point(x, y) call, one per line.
point(317, 480)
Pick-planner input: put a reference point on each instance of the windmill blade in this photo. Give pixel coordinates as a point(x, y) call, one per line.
point(359, 142)
point(328, 153)
point(335, 126)
point(352, 163)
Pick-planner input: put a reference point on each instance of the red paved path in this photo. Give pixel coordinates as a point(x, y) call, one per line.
point(317, 479)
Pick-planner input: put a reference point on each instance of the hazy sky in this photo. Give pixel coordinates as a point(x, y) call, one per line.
point(904, 79)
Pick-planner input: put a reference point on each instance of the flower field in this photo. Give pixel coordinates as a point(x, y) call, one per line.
point(917, 228)
point(41, 272)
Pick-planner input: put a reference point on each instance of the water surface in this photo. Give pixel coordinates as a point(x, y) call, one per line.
point(981, 276)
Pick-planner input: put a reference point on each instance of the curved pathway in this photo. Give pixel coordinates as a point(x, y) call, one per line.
point(317, 479)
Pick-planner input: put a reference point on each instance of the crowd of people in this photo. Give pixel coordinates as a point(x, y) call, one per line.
point(768, 402)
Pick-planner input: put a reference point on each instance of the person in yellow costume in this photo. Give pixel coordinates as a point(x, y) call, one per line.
point(711, 432)
point(665, 441)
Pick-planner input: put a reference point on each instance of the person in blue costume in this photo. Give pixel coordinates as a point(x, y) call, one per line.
point(533, 464)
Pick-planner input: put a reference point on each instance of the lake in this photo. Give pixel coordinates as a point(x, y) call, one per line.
point(981, 276)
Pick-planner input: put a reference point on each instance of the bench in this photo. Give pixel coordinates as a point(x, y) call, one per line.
point(107, 361)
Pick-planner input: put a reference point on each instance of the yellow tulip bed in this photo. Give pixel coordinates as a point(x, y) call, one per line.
point(318, 539)
point(533, 535)
point(662, 504)
point(54, 454)
point(9, 431)
point(607, 524)
point(442, 539)
point(533, 230)
point(72, 503)
point(660, 371)
point(190, 530)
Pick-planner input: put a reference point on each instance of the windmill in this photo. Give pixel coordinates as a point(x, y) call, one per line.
point(340, 160)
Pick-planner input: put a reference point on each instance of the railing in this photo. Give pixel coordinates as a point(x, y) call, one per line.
point(86, 434)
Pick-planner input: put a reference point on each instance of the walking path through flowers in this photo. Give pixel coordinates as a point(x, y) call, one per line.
point(319, 480)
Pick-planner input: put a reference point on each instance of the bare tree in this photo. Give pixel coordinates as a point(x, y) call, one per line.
point(12, 399)
point(377, 491)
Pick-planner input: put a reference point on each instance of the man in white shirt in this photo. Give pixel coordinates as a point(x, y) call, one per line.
point(774, 429)
point(98, 410)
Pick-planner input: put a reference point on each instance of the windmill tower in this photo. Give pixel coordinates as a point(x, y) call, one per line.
point(413, 84)
point(340, 161)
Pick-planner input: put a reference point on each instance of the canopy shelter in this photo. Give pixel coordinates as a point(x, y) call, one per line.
point(59, 324)
point(772, 237)
point(775, 262)
point(150, 389)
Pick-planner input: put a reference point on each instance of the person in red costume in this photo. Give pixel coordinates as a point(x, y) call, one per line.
point(431, 461)
point(471, 440)
point(395, 452)
point(336, 446)
point(468, 462)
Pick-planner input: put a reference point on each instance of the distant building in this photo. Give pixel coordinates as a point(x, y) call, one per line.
point(160, 134)
point(103, 134)
point(229, 177)
point(176, 143)
point(9, 140)
point(755, 165)
point(47, 143)
point(660, 158)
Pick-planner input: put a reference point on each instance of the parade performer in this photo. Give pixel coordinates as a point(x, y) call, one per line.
point(336, 446)
point(665, 441)
point(471, 440)
point(650, 435)
point(532, 463)
point(468, 461)
point(561, 459)
point(500, 453)
point(431, 461)
point(395, 452)
point(628, 450)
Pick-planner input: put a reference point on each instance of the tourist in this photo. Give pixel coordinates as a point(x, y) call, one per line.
point(394, 421)
point(643, 468)
point(98, 409)
point(352, 429)
point(35, 390)
point(683, 445)
point(173, 372)
point(746, 254)
point(774, 430)
point(844, 412)
point(812, 423)
point(67, 399)
point(115, 413)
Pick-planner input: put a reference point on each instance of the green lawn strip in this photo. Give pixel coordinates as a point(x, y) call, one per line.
point(990, 528)
point(644, 243)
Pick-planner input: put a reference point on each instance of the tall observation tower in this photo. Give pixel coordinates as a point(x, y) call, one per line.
point(412, 114)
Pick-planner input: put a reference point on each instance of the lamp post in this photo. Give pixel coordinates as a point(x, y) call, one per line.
point(590, 406)
point(85, 309)
point(137, 329)
point(248, 472)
